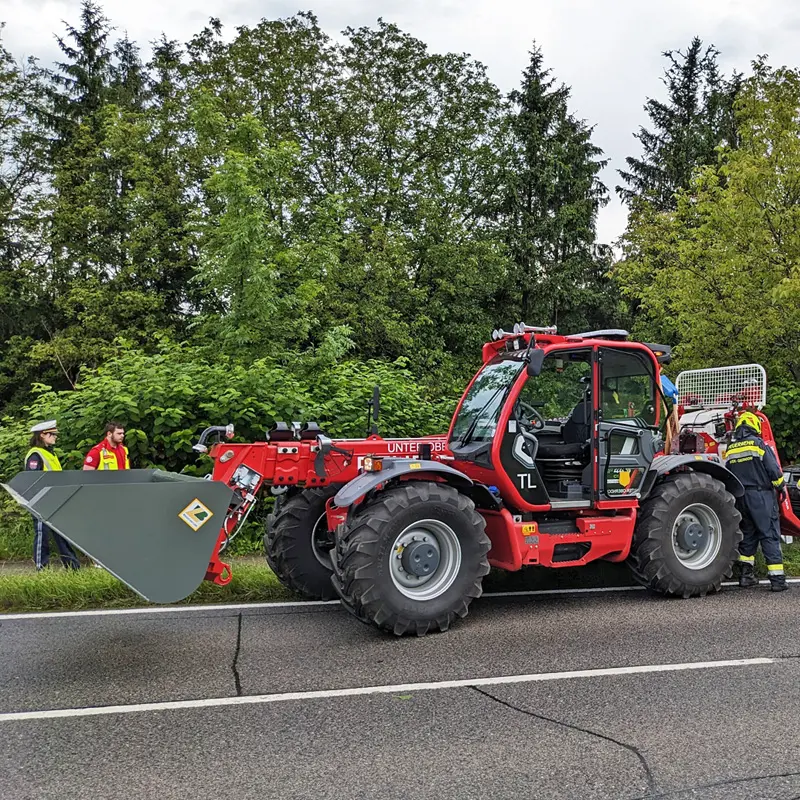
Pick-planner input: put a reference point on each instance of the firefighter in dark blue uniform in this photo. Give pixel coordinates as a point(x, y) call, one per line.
point(755, 465)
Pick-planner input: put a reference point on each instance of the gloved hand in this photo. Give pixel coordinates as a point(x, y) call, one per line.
point(783, 494)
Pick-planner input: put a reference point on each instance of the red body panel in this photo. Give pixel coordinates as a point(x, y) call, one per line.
point(519, 544)
point(248, 468)
point(291, 463)
point(790, 524)
point(602, 531)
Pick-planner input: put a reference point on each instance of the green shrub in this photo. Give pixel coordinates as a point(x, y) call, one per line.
point(165, 400)
point(783, 411)
point(16, 531)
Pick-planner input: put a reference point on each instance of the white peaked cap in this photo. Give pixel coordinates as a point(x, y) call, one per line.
point(41, 427)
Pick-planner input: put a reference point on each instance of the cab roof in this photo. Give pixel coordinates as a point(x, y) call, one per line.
point(520, 337)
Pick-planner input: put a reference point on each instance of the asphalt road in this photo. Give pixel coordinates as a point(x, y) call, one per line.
point(715, 730)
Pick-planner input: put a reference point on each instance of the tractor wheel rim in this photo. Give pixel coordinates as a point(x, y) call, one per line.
point(320, 543)
point(436, 544)
point(697, 536)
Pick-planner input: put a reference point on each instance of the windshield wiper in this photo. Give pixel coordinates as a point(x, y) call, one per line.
point(469, 432)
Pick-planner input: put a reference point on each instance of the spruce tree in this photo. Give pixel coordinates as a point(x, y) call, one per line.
point(78, 92)
point(696, 118)
point(163, 248)
point(24, 306)
point(128, 85)
point(95, 113)
point(551, 198)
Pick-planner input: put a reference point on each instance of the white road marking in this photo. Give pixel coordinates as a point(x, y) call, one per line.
point(111, 612)
point(179, 705)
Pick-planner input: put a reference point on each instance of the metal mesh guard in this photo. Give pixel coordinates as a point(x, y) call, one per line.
point(720, 387)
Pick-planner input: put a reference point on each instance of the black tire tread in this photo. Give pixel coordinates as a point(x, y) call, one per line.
point(646, 560)
point(357, 550)
point(288, 533)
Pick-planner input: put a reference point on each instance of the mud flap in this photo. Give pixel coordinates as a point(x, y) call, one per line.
point(155, 531)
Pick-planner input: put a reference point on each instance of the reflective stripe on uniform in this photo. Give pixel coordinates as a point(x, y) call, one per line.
point(778, 482)
point(747, 559)
point(38, 538)
point(108, 459)
point(775, 569)
point(751, 449)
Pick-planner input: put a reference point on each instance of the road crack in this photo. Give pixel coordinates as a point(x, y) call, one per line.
point(235, 666)
point(651, 781)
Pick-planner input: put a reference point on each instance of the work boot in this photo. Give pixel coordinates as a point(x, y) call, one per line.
point(747, 575)
point(777, 583)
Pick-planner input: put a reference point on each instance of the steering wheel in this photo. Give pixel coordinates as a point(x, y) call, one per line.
point(532, 419)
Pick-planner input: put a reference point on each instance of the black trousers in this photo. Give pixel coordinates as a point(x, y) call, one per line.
point(41, 547)
point(760, 524)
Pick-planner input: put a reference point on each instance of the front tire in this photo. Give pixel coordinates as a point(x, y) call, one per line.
point(412, 559)
point(687, 536)
point(297, 542)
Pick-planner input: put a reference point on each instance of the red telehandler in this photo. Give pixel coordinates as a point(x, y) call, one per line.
point(560, 452)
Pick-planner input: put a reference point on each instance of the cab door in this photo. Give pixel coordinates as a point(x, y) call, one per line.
point(537, 457)
point(627, 420)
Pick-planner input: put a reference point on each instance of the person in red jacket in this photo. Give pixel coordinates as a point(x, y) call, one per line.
point(110, 453)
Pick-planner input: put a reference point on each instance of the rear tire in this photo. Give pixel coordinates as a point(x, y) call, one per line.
point(682, 507)
point(416, 526)
point(292, 544)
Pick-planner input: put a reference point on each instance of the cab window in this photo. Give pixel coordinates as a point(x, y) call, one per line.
point(562, 384)
point(627, 380)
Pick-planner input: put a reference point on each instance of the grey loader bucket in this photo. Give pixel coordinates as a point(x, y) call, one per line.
point(154, 530)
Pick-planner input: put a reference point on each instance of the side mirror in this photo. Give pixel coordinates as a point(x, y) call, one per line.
point(325, 444)
point(535, 362)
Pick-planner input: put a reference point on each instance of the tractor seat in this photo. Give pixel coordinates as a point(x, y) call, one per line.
point(574, 434)
point(562, 450)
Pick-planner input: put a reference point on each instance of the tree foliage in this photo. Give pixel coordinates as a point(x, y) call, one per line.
point(550, 198)
point(23, 208)
point(721, 273)
point(267, 221)
point(697, 117)
point(278, 191)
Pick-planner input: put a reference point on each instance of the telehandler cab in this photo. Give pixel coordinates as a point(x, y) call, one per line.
point(555, 457)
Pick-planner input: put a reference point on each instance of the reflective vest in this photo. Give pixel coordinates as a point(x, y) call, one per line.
point(50, 460)
point(108, 458)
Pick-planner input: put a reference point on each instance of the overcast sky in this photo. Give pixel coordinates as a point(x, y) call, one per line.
point(608, 51)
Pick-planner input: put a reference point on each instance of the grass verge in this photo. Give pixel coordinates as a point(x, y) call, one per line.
point(56, 589)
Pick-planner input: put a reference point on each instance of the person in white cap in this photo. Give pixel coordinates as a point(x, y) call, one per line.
point(42, 457)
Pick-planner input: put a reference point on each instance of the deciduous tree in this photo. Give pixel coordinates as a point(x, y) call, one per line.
point(720, 275)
